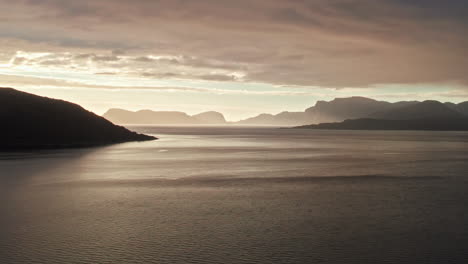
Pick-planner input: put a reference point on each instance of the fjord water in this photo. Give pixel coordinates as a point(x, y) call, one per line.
point(240, 195)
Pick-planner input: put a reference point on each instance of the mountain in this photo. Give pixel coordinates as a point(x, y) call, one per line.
point(336, 110)
point(461, 107)
point(385, 124)
point(121, 116)
point(423, 110)
point(31, 121)
point(281, 119)
point(427, 115)
point(340, 109)
point(210, 118)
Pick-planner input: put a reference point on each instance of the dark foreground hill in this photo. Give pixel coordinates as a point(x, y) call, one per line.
point(30, 121)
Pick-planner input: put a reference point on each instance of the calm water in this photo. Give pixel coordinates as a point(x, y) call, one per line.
point(240, 195)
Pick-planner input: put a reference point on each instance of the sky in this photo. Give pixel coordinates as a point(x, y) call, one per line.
point(241, 57)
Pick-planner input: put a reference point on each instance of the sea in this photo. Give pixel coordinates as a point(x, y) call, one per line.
point(240, 195)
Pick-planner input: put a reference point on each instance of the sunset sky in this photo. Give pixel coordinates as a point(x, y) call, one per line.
point(237, 57)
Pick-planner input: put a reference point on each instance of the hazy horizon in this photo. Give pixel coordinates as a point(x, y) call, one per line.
point(246, 116)
point(278, 111)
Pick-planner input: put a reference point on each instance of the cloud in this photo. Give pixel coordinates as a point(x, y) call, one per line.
point(162, 67)
point(44, 83)
point(334, 43)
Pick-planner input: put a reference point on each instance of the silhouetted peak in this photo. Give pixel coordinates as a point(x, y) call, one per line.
point(210, 113)
point(353, 99)
point(162, 117)
point(265, 115)
point(210, 117)
point(116, 110)
point(8, 89)
point(428, 109)
point(340, 109)
point(345, 101)
point(432, 103)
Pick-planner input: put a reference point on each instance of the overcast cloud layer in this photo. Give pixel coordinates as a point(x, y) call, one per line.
point(333, 43)
point(241, 57)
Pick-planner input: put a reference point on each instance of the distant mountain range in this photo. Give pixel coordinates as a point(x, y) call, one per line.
point(423, 110)
point(149, 117)
point(427, 115)
point(337, 110)
point(30, 121)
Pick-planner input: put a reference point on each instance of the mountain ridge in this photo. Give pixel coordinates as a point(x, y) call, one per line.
point(151, 117)
point(427, 115)
point(428, 109)
point(336, 110)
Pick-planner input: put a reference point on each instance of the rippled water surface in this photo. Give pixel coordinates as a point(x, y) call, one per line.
point(240, 195)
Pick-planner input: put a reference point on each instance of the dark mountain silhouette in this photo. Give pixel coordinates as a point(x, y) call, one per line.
point(121, 116)
point(423, 110)
point(383, 124)
point(340, 109)
point(427, 115)
point(30, 121)
point(461, 107)
point(336, 110)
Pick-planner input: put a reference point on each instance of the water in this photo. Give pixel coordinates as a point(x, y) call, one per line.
point(240, 195)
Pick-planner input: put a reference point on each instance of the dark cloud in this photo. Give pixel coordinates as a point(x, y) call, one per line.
point(105, 58)
point(334, 43)
point(51, 62)
point(144, 59)
point(218, 77)
point(175, 75)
